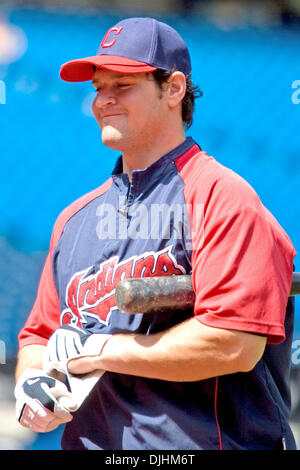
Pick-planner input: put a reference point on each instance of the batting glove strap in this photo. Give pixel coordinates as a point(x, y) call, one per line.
point(69, 342)
point(94, 345)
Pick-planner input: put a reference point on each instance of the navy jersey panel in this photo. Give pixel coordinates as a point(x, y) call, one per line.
point(142, 229)
point(127, 412)
point(125, 232)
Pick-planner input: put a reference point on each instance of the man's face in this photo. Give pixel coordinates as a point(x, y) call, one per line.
point(130, 110)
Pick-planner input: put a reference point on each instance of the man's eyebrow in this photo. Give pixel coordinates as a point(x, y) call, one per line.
point(117, 76)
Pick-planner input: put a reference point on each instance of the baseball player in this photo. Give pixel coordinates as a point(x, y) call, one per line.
point(215, 377)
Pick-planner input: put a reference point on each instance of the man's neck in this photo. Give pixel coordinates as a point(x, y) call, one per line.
point(139, 159)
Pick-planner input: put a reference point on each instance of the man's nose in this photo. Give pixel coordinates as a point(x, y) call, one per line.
point(103, 100)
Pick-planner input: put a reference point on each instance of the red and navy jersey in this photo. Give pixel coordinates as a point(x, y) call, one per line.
point(184, 214)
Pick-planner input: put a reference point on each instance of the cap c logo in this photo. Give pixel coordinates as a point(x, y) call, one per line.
point(115, 30)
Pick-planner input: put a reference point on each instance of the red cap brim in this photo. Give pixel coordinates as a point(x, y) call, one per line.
point(81, 70)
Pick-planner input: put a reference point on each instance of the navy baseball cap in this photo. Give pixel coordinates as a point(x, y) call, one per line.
point(134, 45)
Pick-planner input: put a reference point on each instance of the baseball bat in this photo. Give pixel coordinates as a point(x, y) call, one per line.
point(160, 294)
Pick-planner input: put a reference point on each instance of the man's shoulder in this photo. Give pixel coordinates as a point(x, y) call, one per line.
point(75, 207)
point(205, 176)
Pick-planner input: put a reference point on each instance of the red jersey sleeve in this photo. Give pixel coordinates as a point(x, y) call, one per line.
point(242, 260)
point(44, 316)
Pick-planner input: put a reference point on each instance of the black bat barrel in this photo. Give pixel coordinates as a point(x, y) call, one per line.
point(159, 294)
point(155, 294)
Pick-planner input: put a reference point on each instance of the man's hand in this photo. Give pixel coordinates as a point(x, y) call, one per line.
point(69, 342)
point(43, 403)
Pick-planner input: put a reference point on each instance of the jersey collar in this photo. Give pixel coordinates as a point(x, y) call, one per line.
point(158, 164)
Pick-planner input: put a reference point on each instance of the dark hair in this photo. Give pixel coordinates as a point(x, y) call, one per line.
point(188, 102)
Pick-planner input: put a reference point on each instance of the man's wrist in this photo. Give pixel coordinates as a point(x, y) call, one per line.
point(118, 353)
point(91, 359)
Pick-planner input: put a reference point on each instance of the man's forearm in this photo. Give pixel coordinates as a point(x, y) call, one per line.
point(188, 352)
point(29, 357)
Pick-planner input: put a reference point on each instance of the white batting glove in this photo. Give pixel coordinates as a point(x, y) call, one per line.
point(69, 342)
point(42, 402)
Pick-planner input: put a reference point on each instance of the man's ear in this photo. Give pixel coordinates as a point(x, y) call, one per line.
point(176, 88)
